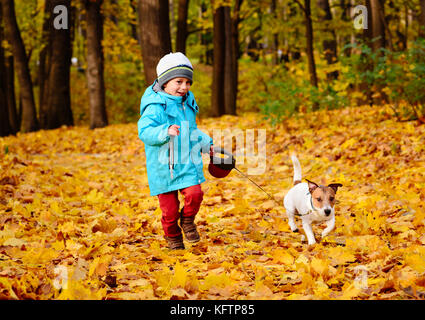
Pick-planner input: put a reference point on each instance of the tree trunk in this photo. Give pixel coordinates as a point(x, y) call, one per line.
point(133, 24)
point(29, 117)
point(230, 68)
point(375, 38)
point(329, 43)
point(10, 95)
point(309, 43)
point(225, 61)
point(345, 16)
point(182, 26)
point(368, 66)
point(235, 44)
point(377, 26)
point(367, 33)
point(385, 21)
point(8, 117)
point(217, 97)
point(172, 22)
point(205, 38)
point(422, 20)
point(95, 64)
point(5, 127)
point(42, 67)
point(57, 98)
point(155, 34)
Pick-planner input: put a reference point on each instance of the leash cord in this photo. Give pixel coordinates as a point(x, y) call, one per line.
point(272, 198)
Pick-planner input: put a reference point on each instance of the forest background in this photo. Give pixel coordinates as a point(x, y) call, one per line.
point(278, 57)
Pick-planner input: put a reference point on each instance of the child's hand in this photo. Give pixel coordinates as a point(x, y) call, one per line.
point(173, 130)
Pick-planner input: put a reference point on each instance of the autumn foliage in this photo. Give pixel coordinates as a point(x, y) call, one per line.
point(77, 221)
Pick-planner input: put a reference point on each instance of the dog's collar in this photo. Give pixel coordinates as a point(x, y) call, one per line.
point(311, 205)
point(311, 202)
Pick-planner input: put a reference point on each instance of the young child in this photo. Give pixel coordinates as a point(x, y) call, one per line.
point(173, 146)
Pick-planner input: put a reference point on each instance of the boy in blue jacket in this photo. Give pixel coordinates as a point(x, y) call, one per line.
point(173, 146)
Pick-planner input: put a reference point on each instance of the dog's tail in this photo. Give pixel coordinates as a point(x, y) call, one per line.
point(297, 169)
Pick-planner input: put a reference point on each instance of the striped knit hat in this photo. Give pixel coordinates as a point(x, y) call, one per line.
point(173, 65)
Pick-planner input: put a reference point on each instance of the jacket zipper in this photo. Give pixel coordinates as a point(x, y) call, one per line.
point(190, 154)
point(184, 110)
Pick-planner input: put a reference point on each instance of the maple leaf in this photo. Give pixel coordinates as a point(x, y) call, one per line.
point(283, 256)
point(319, 266)
point(179, 277)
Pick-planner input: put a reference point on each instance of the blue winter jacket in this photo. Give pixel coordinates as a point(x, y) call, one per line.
point(159, 111)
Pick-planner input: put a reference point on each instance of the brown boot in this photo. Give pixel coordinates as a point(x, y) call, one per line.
point(175, 243)
point(189, 229)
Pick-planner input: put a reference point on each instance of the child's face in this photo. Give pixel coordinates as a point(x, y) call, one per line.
point(177, 87)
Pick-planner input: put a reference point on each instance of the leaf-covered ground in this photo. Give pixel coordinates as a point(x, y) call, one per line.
point(77, 220)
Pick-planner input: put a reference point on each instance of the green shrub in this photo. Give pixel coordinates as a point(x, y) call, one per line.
point(397, 78)
point(281, 91)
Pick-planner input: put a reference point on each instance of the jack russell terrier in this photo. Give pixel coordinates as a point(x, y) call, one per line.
point(313, 203)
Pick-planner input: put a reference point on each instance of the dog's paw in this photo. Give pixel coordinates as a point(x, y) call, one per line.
point(324, 234)
point(293, 226)
point(310, 243)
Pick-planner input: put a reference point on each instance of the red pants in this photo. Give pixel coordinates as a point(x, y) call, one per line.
point(170, 207)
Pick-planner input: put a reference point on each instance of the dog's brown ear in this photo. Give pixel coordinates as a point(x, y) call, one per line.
point(311, 186)
point(335, 186)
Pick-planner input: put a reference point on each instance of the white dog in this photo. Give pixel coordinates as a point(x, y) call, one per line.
point(313, 203)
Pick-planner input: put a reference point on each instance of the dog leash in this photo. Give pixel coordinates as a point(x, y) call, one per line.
point(270, 196)
point(244, 175)
point(232, 165)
